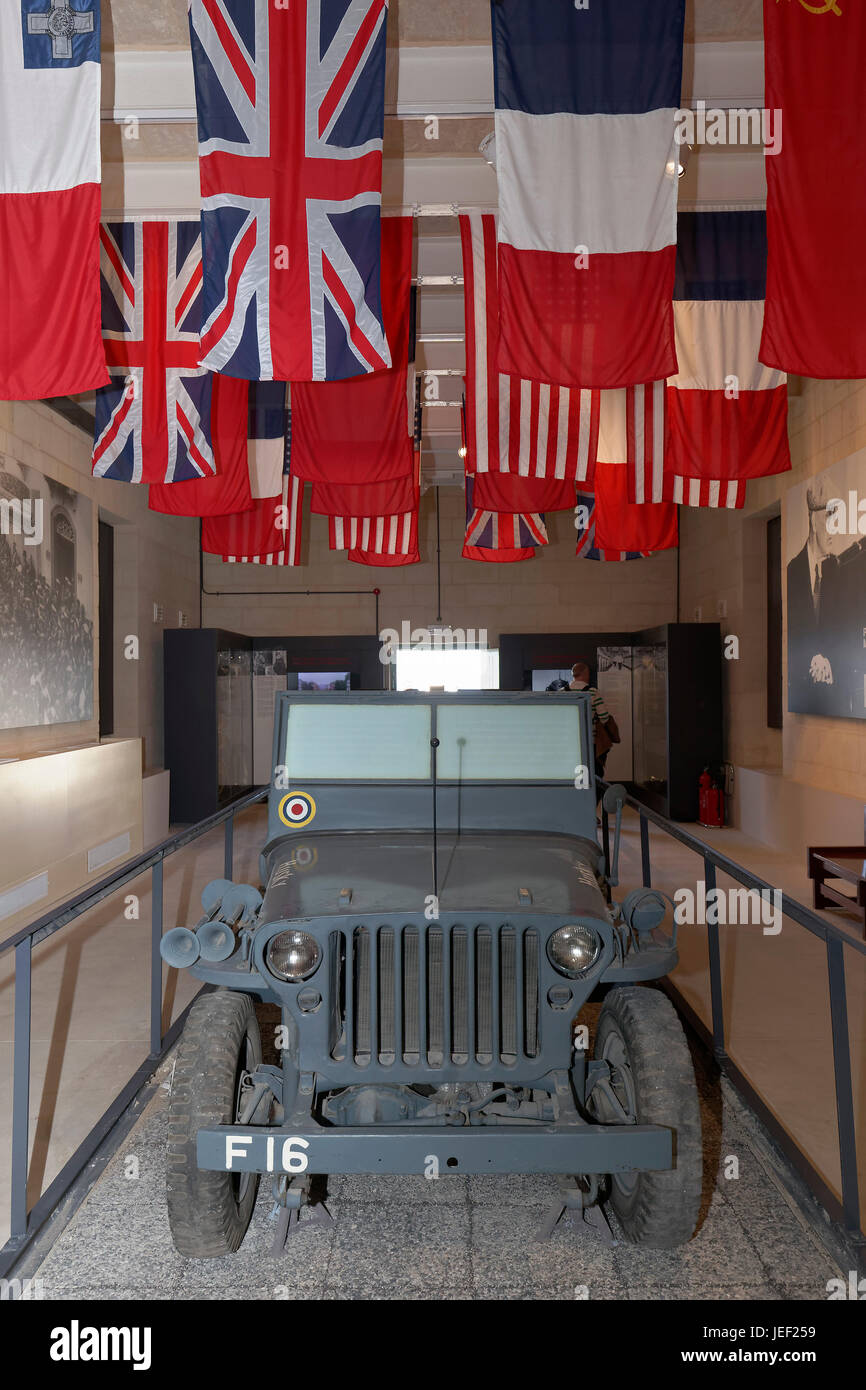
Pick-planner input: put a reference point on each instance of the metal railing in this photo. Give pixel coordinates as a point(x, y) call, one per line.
point(848, 1210)
point(26, 1224)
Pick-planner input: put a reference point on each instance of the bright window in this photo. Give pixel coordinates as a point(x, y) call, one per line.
point(447, 668)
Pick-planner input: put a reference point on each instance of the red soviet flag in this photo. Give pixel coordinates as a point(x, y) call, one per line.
point(815, 315)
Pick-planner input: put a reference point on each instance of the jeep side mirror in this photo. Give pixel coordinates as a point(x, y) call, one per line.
point(613, 801)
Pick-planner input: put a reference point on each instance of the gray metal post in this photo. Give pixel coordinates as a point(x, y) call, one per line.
point(156, 911)
point(715, 962)
point(844, 1091)
point(645, 851)
point(21, 1087)
point(229, 858)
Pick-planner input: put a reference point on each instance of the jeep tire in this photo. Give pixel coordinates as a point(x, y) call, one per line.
point(642, 1039)
point(209, 1212)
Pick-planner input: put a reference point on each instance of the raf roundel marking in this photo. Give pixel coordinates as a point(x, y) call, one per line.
point(297, 809)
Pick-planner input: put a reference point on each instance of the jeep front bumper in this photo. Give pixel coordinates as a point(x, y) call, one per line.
point(408, 1149)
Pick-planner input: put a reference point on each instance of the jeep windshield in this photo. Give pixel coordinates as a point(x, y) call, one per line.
point(479, 740)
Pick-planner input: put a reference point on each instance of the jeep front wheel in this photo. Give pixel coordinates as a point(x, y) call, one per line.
point(209, 1212)
point(652, 1082)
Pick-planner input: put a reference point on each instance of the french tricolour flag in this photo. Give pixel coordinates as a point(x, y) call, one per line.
point(50, 327)
point(586, 100)
point(723, 418)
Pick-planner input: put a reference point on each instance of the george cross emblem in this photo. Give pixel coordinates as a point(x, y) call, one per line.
point(61, 24)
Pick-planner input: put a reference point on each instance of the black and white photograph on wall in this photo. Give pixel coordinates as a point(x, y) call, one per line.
point(269, 677)
point(825, 558)
point(46, 600)
point(650, 717)
point(614, 683)
point(269, 663)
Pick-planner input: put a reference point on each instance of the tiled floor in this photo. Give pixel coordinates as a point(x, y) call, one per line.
point(455, 1238)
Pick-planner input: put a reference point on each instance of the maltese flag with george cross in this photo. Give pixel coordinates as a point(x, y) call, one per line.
point(291, 112)
point(50, 343)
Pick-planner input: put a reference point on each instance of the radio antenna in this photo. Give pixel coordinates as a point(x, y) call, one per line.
point(434, 744)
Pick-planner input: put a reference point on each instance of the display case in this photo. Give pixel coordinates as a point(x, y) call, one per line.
point(664, 687)
point(219, 694)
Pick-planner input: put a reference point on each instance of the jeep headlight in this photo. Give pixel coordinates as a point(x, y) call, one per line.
point(573, 950)
point(293, 955)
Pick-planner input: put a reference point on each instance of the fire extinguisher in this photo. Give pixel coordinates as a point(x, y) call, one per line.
point(711, 800)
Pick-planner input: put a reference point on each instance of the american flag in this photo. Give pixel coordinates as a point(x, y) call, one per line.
point(383, 535)
point(270, 532)
point(524, 428)
point(289, 517)
point(153, 421)
point(290, 105)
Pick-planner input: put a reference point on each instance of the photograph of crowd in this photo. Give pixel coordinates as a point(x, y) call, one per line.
point(46, 600)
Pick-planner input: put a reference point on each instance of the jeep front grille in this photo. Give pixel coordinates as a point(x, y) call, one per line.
point(438, 995)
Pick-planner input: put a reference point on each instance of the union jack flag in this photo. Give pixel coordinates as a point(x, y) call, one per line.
point(585, 518)
point(153, 421)
point(500, 536)
point(291, 109)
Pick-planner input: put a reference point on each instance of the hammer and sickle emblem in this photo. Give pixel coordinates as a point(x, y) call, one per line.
point(828, 7)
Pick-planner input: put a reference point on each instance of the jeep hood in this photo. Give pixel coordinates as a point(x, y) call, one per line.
point(356, 873)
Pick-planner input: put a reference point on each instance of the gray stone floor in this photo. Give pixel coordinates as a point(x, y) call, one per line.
point(455, 1238)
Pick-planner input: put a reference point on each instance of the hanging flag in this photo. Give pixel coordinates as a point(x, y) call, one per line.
point(621, 525)
point(384, 561)
point(526, 442)
point(270, 530)
point(498, 537)
point(227, 490)
point(585, 518)
point(728, 414)
point(586, 101)
point(723, 418)
point(388, 540)
point(360, 431)
point(635, 426)
point(290, 531)
point(152, 424)
point(507, 492)
point(382, 540)
point(815, 320)
point(382, 535)
point(50, 341)
point(291, 107)
point(363, 499)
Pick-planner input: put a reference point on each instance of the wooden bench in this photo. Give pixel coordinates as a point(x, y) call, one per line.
point(846, 862)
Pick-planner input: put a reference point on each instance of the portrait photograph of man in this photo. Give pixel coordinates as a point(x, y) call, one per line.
point(826, 592)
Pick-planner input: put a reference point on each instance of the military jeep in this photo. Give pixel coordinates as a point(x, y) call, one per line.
point(435, 913)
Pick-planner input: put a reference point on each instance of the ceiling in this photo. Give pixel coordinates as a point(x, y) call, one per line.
point(439, 64)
